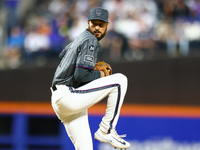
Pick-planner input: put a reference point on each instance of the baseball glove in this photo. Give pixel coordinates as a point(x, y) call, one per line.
point(103, 66)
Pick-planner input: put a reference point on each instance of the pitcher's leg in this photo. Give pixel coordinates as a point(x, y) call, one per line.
point(114, 86)
point(70, 106)
point(114, 103)
point(79, 99)
point(107, 133)
point(78, 130)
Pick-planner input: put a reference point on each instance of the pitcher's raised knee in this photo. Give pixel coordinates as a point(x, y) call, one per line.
point(121, 78)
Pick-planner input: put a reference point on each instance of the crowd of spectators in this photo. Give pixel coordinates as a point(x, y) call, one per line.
point(35, 31)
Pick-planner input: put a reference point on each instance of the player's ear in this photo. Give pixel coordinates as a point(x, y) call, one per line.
point(88, 22)
point(108, 24)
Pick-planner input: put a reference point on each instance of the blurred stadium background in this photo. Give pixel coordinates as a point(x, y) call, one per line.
point(155, 43)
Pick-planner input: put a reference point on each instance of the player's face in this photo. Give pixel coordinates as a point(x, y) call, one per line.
point(98, 28)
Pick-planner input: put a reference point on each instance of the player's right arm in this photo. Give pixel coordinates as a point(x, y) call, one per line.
point(63, 52)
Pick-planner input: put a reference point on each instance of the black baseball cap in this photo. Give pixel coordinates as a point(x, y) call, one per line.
point(98, 14)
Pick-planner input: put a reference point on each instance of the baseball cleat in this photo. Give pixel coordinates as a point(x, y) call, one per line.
point(112, 138)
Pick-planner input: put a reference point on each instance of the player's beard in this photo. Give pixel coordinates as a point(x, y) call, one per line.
point(98, 37)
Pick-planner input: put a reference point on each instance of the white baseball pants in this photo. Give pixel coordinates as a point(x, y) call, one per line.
point(70, 105)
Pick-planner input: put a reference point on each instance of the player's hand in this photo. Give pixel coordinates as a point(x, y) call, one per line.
point(103, 74)
point(103, 67)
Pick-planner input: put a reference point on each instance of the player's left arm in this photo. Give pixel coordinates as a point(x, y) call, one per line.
point(86, 75)
point(86, 60)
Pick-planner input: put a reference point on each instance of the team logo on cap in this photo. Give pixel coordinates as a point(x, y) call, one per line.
point(98, 12)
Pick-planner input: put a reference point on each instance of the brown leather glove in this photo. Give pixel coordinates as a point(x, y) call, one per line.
point(103, 66)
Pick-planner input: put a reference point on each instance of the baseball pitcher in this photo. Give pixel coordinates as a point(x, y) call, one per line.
point(80, 82)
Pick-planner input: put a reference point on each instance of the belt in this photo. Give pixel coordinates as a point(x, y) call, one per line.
point(54, 88)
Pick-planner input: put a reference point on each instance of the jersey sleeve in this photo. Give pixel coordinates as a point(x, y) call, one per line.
point(63, 52)
point(87, 55)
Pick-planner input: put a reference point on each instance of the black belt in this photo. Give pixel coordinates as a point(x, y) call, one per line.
point(54, 88)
